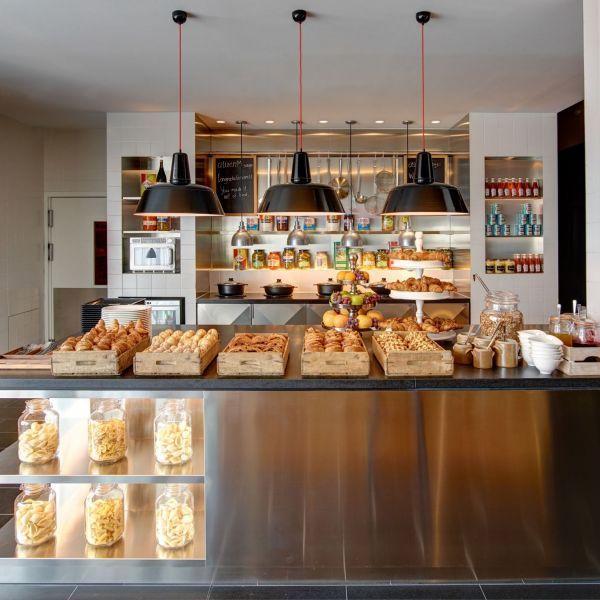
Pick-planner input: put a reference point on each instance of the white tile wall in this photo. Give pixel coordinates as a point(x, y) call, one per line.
point(144, 134)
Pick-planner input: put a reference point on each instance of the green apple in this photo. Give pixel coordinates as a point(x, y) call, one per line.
point(357, 300)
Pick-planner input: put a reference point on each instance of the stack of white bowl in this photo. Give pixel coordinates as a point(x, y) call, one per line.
point(524, 336)
point(546, 352)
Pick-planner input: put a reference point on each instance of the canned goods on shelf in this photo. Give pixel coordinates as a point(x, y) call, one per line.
point(488, 231)
point(505, 229)
point(537, 229)
point(527, 208)
point(500, 219)
point(520, 230)
point(528, 230)
point(492, 219)
point(496, 230)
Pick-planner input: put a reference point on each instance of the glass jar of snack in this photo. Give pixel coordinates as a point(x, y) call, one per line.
point(282, 222)
point(501, 311)
point(104, 514)
point(348, 222)
point(173, 433)
point(274, 260)
point(267, 222)
point(322, 260)
point(562, 327)
point(175, 516)
point(149, 223)
point(363, 224)
point(388, 223)
point(304, 259)
point(38, 429)
point(288, 258)
point(107, 432)
point(163, 223)
point(490, 266)
point(240, 259)
point(35, 514)
point(333, 222)
point(259, 259)
point(369, 260)
point(586, 333)
point(381, 259)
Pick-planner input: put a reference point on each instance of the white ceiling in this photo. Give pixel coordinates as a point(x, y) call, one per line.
point(64, 61)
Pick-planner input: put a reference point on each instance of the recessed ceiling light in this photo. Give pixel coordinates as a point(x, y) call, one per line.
point(220, 122)
point(380, 122)
point(323, 122)
point(435, 122)
point(269, 122)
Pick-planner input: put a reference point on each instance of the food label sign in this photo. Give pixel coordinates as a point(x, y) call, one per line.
point(235, 189)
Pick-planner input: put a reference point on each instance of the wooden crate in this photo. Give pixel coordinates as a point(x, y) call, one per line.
point(412, 363)
point(336, 364)
point(253, 364)
point(95, 362)
point(173, 363)
point(576, 361)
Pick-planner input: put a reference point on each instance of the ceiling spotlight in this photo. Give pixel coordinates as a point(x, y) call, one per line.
point(269, 122)
point(220, 122)
point(323, 122)
point(435, 122)
point(379, 122)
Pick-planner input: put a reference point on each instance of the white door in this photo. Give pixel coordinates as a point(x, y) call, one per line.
point(70, 264)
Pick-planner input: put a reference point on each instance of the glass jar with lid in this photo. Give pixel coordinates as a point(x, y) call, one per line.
point(586, 333)
point(259, 259)
point(502, 315)
point(274, 260)
point(304, 259)
point(38, 429)
point(35, 514)
point(175, 516)
point(381, 258)
point(104, 514)
point(562, 327)
point(107, 432)
point(173, 433)
point(288, 258)
point(369, 260)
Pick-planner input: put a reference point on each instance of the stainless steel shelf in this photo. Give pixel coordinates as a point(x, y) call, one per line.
point(327, 233)
point(138, 542)
point(74, 466)
point(174, 234)
point(518, 237)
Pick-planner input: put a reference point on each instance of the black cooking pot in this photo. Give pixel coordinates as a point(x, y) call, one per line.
point(327, 288)
point(231, 288)
point(279, 289)
point(379, 287)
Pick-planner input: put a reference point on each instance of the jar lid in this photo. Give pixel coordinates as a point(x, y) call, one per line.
point(500, 297)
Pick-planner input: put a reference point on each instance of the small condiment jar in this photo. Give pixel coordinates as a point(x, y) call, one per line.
point(462, 354)
point(506, 353)
point(481, 342)
point(483, 358)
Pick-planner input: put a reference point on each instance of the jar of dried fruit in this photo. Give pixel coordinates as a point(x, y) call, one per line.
point(175, 516)
point(107, 432)
point(501, 316)
point(104, 514)
point(173, 433)
point(38, 432)
point(35, 514)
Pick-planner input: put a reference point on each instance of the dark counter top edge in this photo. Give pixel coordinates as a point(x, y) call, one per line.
point(258, 298)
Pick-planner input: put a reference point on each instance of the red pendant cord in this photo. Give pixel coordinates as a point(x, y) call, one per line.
point(300, 73)
point(180, 92)
point(423, 84)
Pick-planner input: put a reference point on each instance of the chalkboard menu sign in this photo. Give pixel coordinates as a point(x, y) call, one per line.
point(235, 190)
point(439, 169)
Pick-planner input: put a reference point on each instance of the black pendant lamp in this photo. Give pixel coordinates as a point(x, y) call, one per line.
point(241, 238)
point(301, 197)
point(425, 196)
point(180, 197)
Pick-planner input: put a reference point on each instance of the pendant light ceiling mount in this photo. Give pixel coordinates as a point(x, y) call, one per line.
point(301, 196)
point(425, 196)
point(180, 197)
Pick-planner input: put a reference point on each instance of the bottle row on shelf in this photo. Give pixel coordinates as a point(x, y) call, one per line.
point(104, 515)
point(517, 264)
point(512, 188)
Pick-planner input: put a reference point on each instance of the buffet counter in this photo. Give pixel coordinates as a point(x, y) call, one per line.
point(308, 298)
point(484, 474)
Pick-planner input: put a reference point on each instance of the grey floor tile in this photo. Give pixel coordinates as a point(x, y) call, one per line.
point(382, 575)
point(543, 591)
point(278, 592)
point(9, 591)
point(140, 592)
point(416, 591)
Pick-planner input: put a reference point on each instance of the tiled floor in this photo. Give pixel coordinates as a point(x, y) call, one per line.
point(491, 591)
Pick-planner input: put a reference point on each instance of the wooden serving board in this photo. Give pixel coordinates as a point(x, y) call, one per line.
point(575, 360)
point(336, 364)
point(253, 364)
point(95, 362)
point(173, 363)
point(26, 362)
point(418, 364)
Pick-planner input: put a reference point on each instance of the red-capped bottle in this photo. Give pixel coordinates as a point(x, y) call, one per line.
point(535, 189)
point(520, 188)
point(527, 188)
point(493, 188)
point(487, 188)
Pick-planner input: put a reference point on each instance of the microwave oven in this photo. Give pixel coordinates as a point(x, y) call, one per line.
point(152, 254)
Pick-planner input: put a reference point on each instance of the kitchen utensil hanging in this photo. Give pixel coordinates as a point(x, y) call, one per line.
point(340, 183)
point(371, 205)
point(285, 170)
point(360, 198)
point(384, 179)
point(278, 169)
point(319, 167)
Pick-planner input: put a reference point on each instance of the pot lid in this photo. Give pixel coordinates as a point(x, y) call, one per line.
point(279, 284)
point(383, 282)
point(231, 281)
point(330, 281)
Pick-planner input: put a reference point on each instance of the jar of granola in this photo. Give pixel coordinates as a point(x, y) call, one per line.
point(173, 433)
point(38, 432)
point(104, 514)
point(175, 516)
point(35, 514)
point(501, 313)
point(107, 432)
